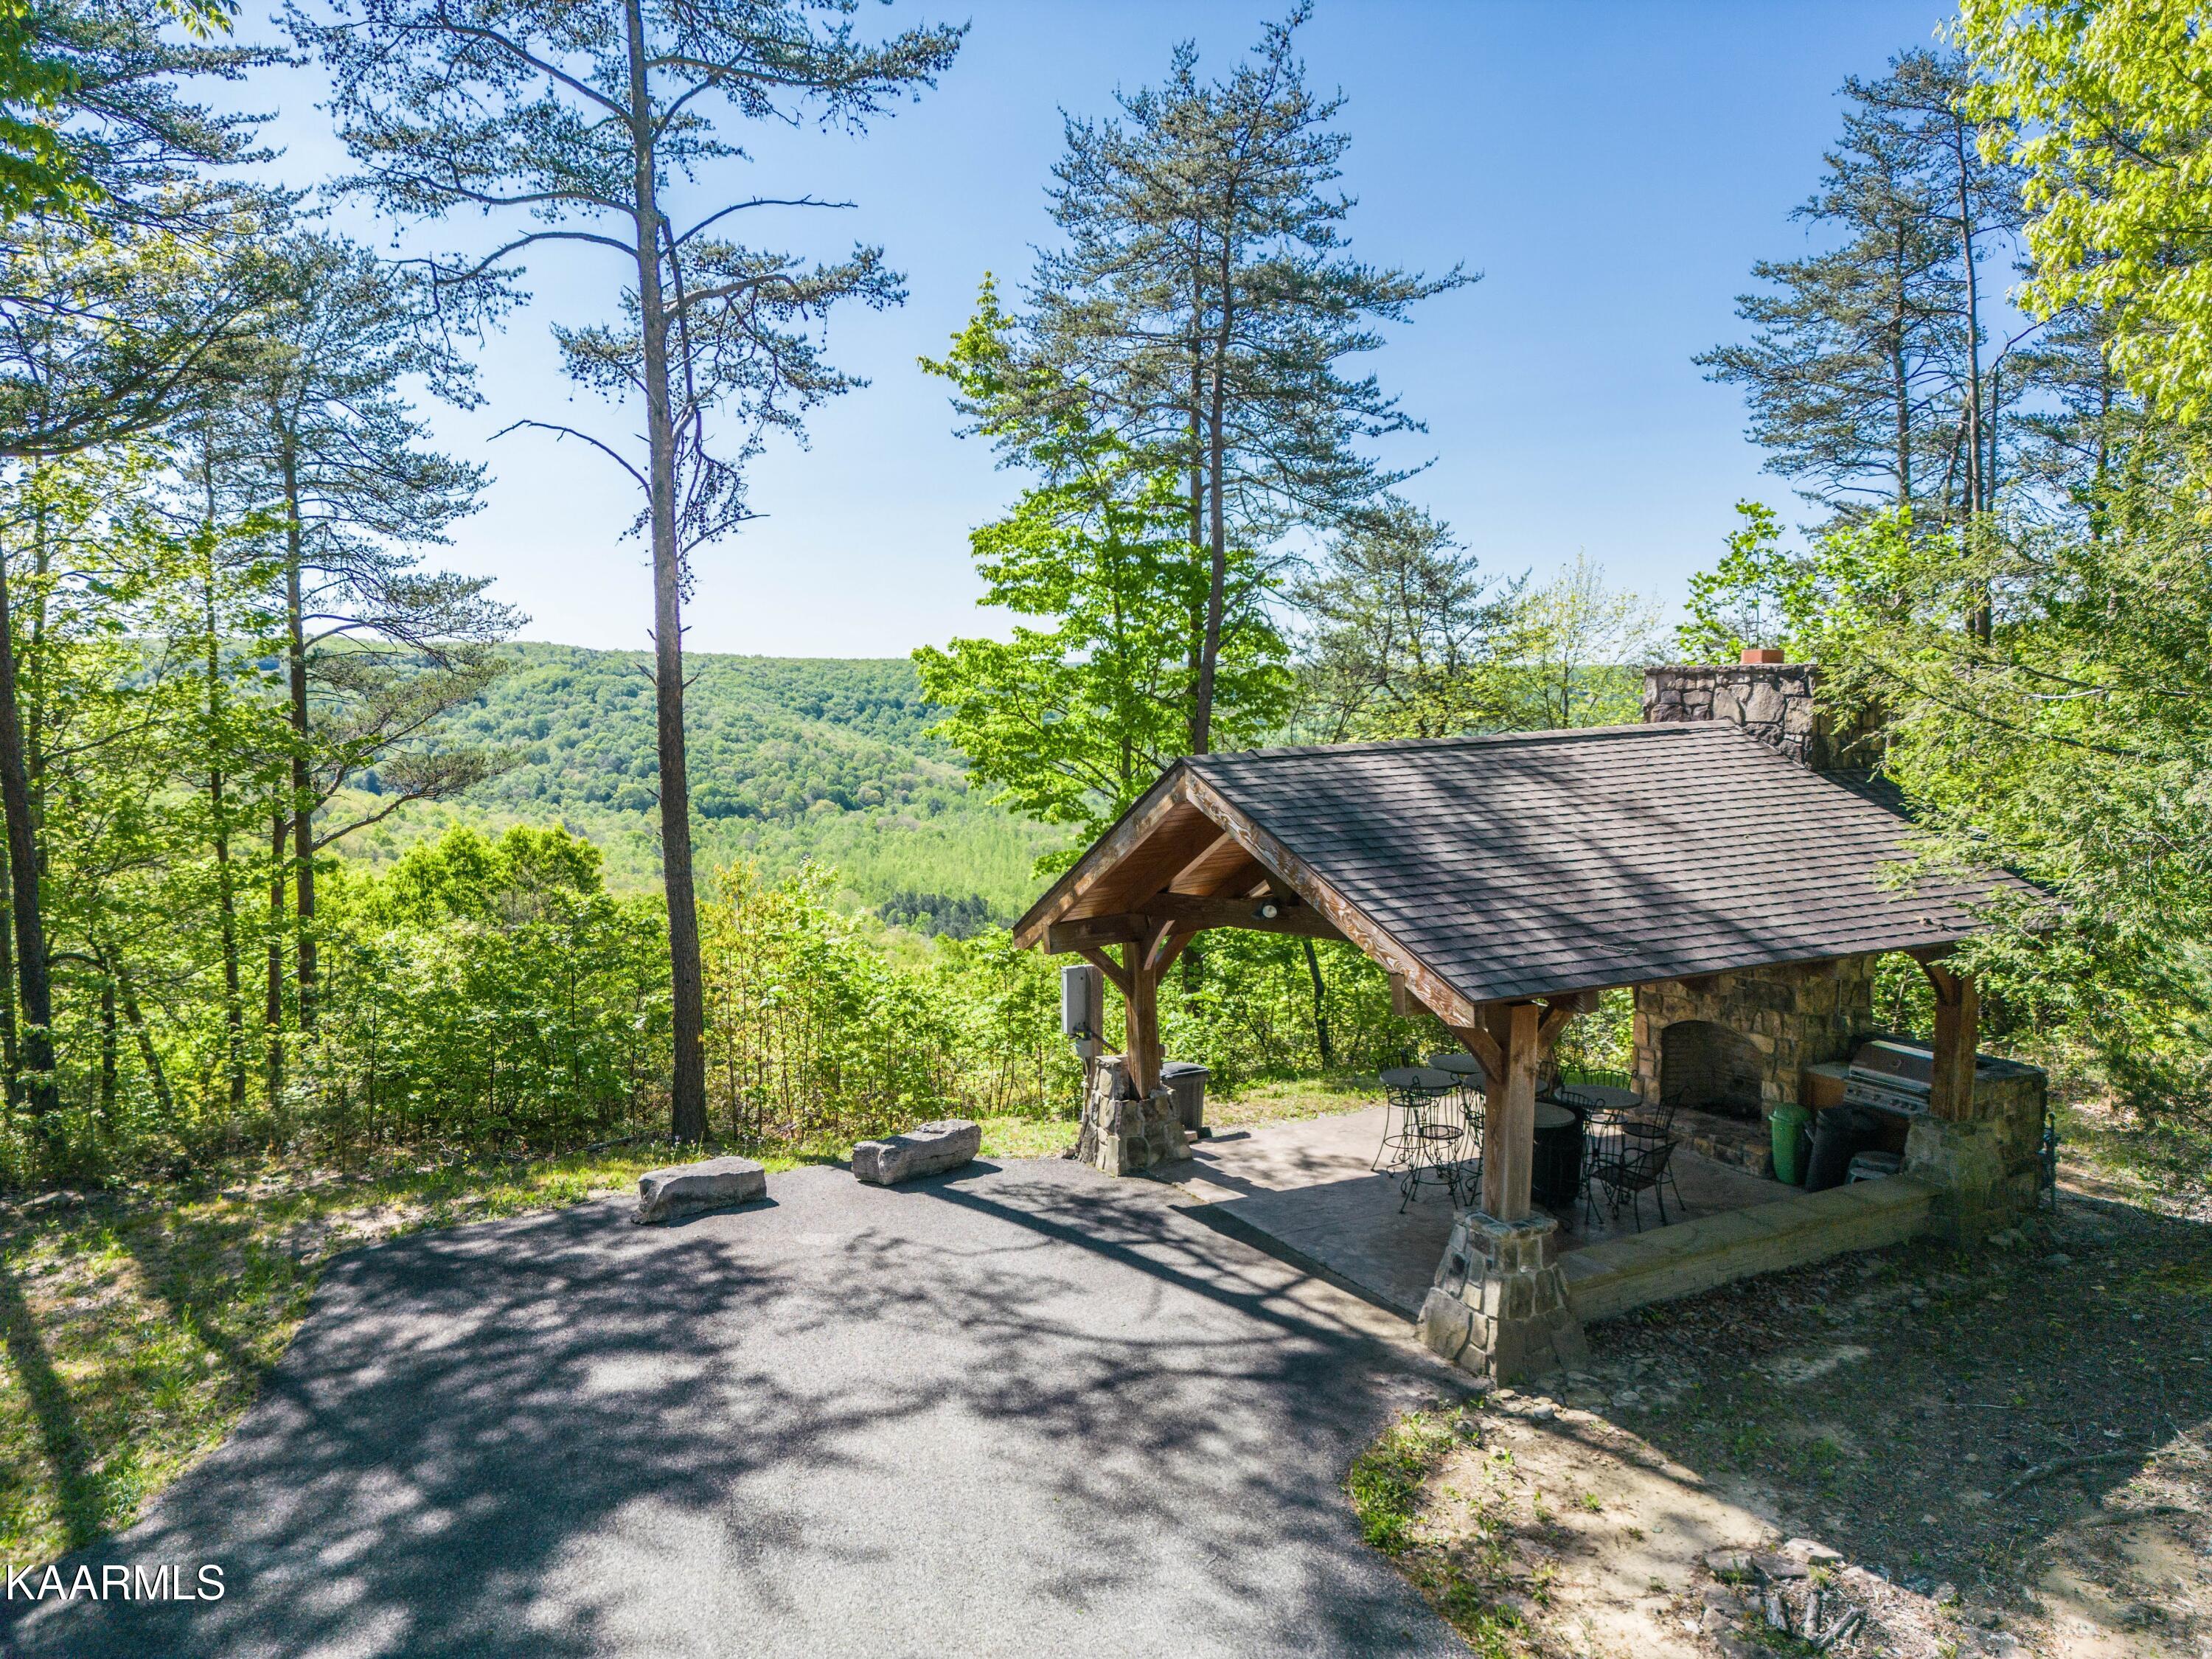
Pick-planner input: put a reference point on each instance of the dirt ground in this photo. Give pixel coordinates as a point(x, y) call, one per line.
point(2002, 1453)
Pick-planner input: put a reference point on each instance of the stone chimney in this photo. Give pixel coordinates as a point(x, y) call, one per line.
point(1772, 699)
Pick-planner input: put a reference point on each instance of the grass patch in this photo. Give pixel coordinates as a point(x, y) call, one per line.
point(1386, 1479)
point(136, 1324)
point(1451, 1544)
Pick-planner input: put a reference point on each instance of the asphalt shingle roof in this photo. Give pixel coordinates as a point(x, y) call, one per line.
point(1546, 862)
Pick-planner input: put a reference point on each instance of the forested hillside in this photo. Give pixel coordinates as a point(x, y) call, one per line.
point(791, 758)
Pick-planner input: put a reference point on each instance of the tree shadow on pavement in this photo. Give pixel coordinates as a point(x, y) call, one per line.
point(1022, 1412)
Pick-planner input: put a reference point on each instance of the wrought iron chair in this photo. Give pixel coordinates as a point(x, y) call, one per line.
point(1633, 1157)
point(1424, 1145)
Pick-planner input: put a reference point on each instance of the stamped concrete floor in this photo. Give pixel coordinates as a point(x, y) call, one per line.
point(1303, 1190)
point(1015, 1411)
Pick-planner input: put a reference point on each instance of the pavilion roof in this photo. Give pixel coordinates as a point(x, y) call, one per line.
point(1533, 864)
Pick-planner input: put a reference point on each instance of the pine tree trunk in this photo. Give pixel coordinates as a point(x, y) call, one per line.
point(688, 1082)
point(31, 967)
point(272, 1013)
point(1217, 518)
point(9, 1060)
point(303, 807)
point(226, 894)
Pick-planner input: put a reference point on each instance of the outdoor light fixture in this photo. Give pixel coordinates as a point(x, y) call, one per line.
point(1267, 911)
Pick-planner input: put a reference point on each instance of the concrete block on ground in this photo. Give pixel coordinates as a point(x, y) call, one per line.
point(930, 1150)
point(683, 1190)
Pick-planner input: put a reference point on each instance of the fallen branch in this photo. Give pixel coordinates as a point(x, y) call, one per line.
point(1842, 1628)
point(2060, 1465)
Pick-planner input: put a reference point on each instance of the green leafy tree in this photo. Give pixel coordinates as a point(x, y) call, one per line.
point(1405, 635)
point(2107, 109)
point(1581, 647)
point(578, 120)
point(1756, 596)
point(1072, 721)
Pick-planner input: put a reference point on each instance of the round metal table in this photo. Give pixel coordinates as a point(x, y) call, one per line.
point(1603, 1097)
point(1424, 1143)
point(1465, 1067)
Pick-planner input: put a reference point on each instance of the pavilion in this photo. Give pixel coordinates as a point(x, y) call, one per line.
point(1502, 882)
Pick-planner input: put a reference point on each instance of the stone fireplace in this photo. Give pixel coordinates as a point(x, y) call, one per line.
point(1725, 1050)
point(1711, 1068)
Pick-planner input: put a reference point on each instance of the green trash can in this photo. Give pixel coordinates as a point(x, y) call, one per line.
point(1792, 1124)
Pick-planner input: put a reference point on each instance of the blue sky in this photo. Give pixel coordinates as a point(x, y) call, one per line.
point(1612, 170)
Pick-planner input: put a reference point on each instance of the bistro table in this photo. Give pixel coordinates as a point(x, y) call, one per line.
point(1599, 1100)
point(1424, 1144)
point(1473, 1085)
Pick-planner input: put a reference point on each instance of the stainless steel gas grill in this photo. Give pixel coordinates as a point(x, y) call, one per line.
point(1890, 1076)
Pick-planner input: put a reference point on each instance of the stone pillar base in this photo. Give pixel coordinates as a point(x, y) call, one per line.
point(1122, 1134)
point(1967, 1161)
point(1498, 1306)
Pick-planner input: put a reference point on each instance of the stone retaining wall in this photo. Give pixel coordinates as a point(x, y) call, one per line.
point(1690, 1256)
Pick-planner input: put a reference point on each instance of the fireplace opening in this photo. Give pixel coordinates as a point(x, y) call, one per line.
point(1708, 1068)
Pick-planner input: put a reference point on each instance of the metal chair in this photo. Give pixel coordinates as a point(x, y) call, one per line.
point(1633, 1157)
point(1435, 1160)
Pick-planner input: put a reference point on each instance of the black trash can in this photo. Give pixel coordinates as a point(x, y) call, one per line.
point(1186, 1080)
point(1839, 1134)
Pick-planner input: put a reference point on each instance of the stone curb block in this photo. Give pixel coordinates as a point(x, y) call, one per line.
point(930, 1150)
point(685, 1189)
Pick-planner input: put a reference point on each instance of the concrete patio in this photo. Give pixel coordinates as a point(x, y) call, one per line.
point(1302, 1189)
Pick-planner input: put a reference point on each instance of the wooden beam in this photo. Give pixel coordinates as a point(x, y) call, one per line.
point(1292, 914)
point(1403, 1003)
point(1191, 914)
point(1161, 947)
point(1168, 801)
point(1958, 1034)
point(1509, 1118)
point(1106, 966)
point(1434, 992)
point(1062, 937)
point(1484, 1047)
point(1141, 1009)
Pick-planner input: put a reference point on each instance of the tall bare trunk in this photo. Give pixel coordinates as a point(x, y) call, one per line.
point(1216, 512)
point(157, 1075)
point(272, 1013)
point(11, 1061)
point(303, 806)
point(1901, 380)
point(687, 1094)
point(226, 894)
point(1978, 491)
point(1320, 1006)
point(31, 966)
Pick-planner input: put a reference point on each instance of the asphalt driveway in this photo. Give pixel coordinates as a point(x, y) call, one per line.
point(1021, 1410)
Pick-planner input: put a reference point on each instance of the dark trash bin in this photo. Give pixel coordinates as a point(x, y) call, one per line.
point(1839, 1134)
point(1186, 1080)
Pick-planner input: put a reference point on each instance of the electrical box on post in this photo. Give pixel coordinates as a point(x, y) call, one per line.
point(1083, 1008)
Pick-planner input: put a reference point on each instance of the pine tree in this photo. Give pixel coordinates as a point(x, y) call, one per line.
point(579, 116)
point(1203, 306)
point(322, 440)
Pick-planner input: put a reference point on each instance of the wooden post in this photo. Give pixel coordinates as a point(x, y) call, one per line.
point(1509, 1123)
point(1141, 1003)
point(1958, 1034)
